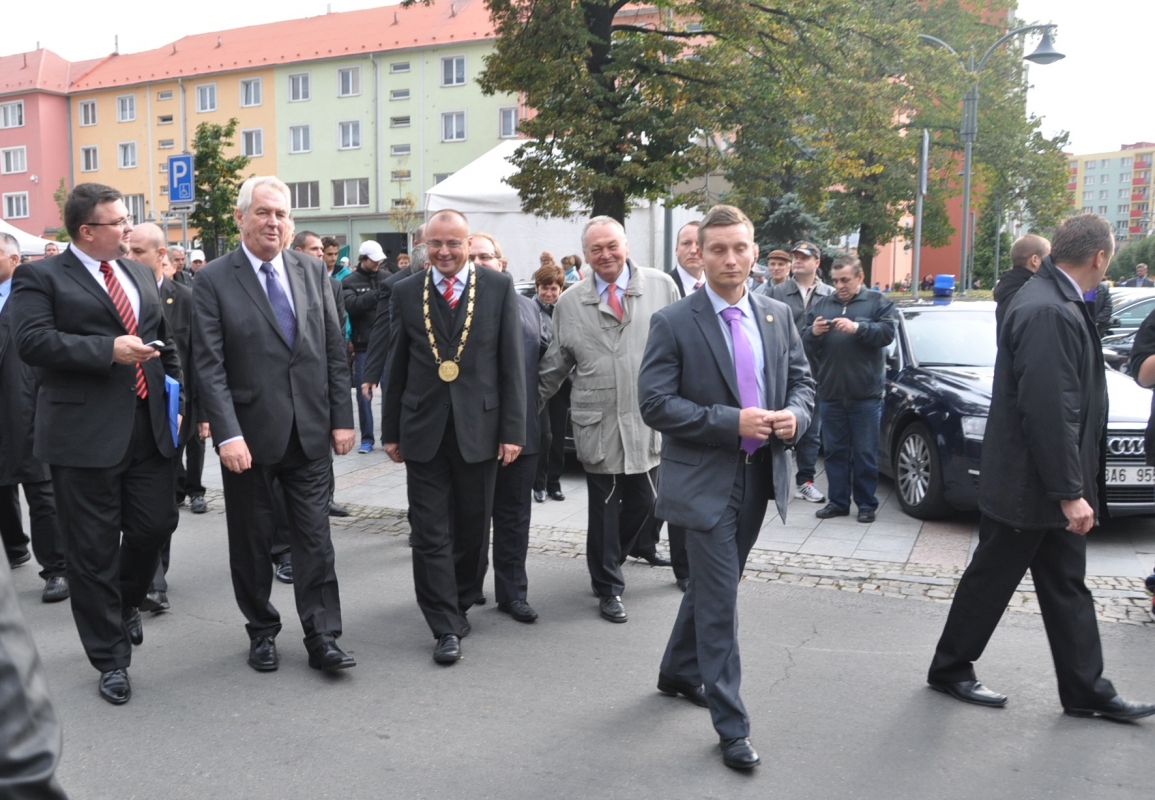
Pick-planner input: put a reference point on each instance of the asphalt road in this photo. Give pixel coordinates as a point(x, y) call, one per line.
point(834, 683)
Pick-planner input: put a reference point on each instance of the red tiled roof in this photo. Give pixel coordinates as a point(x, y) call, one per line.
point(311, 38)
point(36, 71)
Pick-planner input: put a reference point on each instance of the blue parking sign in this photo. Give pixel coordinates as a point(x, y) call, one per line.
point(180, 179)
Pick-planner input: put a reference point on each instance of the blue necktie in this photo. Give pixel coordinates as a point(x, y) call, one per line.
point(280, 304)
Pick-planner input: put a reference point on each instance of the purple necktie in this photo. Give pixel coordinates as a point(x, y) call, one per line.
point(280, 303)
point(743, 369)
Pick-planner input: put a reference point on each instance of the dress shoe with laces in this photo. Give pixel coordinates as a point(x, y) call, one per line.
point(337, 510)
point(131, 617)
point(283, 571)
point(448, 649)
point(867, 514)
point(55, 589)
point(613, 609)
point(683, 583)
point(739, 754)
point(672, 687)
point(538, 496)
point(656, 560)
point(831, 510)
point(519, 610)
point(330, 658)
point(114, 686)
point(263, 654)
point(971, 692)
point(155, 602)
point(1116, 708)
point(197, 505)
point(556, 494)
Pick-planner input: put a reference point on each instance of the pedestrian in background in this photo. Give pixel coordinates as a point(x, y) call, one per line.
point(549, 282)
point(359, 291)
point(1027, 255)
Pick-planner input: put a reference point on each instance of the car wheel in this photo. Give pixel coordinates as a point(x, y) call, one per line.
point(918, 475)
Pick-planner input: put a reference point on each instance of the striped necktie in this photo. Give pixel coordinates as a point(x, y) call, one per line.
point(127, 318)
point(449, 295)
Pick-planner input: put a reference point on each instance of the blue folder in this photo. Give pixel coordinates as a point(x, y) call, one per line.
point(172, 404)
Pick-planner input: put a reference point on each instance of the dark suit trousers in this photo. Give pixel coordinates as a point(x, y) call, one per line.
point(551, 458)
point(108, 571)
point(512, 500)
point(47, 545)
point(1057, 559)
point(621, 507)
point(450, 505)
point(703, 646)
point(189, 481)
point(251, 519)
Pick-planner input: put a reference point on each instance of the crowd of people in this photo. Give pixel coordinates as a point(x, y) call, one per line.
point(687, 391)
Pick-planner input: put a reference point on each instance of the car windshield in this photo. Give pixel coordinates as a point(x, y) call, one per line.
point(952, 339)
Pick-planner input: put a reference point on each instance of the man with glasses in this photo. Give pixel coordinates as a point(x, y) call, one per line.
point(87, 320)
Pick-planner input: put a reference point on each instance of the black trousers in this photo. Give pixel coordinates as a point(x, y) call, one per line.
point(114, 522)
point(189, 482)
point(450, 505)
point(512, 501)
point(551, 458)
point(280, 549)
point(1057, 559)
point(621, 508)
point(703, 646)
point(251, 520)
point(47, 545)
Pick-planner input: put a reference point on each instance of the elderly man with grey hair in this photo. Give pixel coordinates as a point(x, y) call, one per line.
point(600, 330)
point(273, 384)
point(180, 271)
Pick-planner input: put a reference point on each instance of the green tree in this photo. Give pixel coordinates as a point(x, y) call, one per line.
point(1140, 251)
point(218, 178)
point(61, 197)
point(985, 268)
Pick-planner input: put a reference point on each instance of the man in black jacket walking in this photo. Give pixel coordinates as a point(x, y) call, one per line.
point(1041, 485)
point(359, 290)
point(1027, 255)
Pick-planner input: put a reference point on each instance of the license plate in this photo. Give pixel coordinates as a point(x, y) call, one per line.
point(1130, 476)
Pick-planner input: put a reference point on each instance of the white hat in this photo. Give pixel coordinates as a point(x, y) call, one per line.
point(372, 250)
point(344, 261)
point(196, 255)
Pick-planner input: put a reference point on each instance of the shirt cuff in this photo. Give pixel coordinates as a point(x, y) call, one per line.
point(231, 439)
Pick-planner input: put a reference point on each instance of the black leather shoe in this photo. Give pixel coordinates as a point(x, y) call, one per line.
point(331, 658)
point(481, 601)
point(55, 589)
point(971, 692)
point(198, 505)
point(131, 617)
point(519, 610)
point(448, 649)
point(613, 609)
point(114, 686)
point(867, 514)
point(672, 687)
point(656, 560)
point(1116, 708)
point(336, 510)
point(284, 571)
point(20, 559)
point(683, 583)
point(828, 511)
point(556, 494)
point(739, 754)
point(156, 602)
point(538, 496)
point(263, 654)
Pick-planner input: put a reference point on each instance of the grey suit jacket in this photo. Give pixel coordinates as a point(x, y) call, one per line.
point(249, 383)
point(688, 391)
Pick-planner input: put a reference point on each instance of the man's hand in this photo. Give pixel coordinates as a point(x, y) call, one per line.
point(1080, 516)
point(508, 453)
point(367, 390)
point(755, 423)
point(204, 431)
point(783, 424)
point(821, 325)
point(342, 440)
point(235, 456)
point(393, 450)
point(844, 325)
point(131, 350)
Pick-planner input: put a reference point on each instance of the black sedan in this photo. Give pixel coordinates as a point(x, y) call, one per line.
point(938, 394)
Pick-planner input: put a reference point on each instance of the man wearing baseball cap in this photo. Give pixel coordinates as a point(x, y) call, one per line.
point(359, 291)
point(778, 265)
point(196, 260)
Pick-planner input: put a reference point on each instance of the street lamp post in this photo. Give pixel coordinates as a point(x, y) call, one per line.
point(1045, 53)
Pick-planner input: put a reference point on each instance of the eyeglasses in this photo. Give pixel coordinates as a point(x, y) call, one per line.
point(452, 244)
point(123, 222)
point(484, 257)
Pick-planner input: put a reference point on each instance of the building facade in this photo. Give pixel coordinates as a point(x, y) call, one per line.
point(1117, 185)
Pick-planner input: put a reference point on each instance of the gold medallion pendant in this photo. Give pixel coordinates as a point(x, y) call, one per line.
point(448, 371)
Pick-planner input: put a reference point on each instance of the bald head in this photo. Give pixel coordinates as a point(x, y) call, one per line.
point(146, 244)
point(1029, 251)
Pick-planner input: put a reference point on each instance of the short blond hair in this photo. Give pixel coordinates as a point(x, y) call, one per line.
point(722, 216)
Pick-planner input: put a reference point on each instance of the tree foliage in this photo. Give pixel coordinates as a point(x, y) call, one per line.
point(1140, 251)
point(218, 179)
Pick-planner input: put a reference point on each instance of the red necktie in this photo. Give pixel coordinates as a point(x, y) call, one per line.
point(612, 300)
point(127, 318)
point(448, 294)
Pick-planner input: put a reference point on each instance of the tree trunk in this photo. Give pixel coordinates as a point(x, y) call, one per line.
point(609, 204)
point(866, 251)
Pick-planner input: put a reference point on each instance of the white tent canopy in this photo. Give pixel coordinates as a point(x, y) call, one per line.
point(29, 245)
point(479, 191)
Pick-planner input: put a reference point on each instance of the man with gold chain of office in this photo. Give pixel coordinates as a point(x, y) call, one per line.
point(454, 407)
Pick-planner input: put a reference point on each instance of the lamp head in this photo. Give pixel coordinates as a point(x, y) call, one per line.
point(1045, 53)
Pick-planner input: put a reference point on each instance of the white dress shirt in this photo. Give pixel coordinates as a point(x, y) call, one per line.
point(461, 279)
point(750, 328)
point(622, 283)
point(5, 290)
point(689, 280)
point(278, 262)
point(126, 283)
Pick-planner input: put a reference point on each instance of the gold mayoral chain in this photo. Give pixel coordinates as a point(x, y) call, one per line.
point(448, 370)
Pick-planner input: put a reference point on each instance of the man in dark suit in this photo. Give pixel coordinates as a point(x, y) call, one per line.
point(18, 466)
point(454, 408)
point(274, 385)
point(1140, 280)
point(725, 380)
point(82, 320)
point(1027, 254)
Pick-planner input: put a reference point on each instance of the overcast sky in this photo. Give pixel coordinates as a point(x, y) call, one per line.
point(1100, 93)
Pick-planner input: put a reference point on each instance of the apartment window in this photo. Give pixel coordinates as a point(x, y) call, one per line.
point(399, 66)
point(1088, 180)
point(166, 95)
point(253, 142)
point(453, 71)
point(1140, 207)
point(399, 122)
point(306, 194)
point(206, 97)
point(348, 82)
point(1124, 193)
point(1089, 195)
point(1105, 163)
point(349, 135)
point(438, 177)
point(165, 144)
point(87, 113)
point(135, 205)
point(1126, 161)
point(401, 175)
point(126, 108)
point(299, 139)
point(1123, 209)
point(453, 126)
point(164, 119)
point(399, 94)
point(1073, 165)
point(351, 192)
point(162, 167)
point(13, 159)
point(400, 150)
point(16, 205)
point(1142, 174)
point(1104, 179)
point(126, 155)
point(507, 123)
point(400, 202)
point(1102, 209)
point(12, 116)
point(164, 189)
point(251, 92)
point(1089, 164)
point(1104, 194)
point(89, 160)
point(1088, 209)
point(299, 87)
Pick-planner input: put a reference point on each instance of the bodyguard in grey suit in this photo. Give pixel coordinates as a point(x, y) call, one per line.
point(726, 382)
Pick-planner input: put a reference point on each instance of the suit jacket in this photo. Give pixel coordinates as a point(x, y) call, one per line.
point(537, 333)
point(65, 326)
point(17, 411)
point(339, 301)
point(673, 273)
point(688, 391)
point(249, 383)
point(378, 350)
point(488, 397)
point(176, 300)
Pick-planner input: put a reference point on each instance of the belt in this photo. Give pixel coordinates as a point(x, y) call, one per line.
point(757, 457)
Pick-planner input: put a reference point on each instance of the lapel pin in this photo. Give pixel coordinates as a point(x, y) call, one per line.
point(769, 317)
point(169, 301)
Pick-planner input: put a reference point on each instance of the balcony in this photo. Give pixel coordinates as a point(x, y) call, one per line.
point(1072, 186)
point(1136, 213)
point(1135, 229)
point(1137, 197)
point(1140, 181)
point(1142, 164)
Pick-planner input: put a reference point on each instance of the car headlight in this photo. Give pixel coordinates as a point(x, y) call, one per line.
point(974, 428)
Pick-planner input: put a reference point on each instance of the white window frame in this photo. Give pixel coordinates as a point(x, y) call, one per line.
point(438, 177)
point(398, 67)
point(501, 112)
point(205, 86)
point(165, 144)
point(1090, 164)
point(136, 205)
point(316, 195)
point(308, 139)
point(165, 95)
point(1104, 179)
point(126, 102)
point(464, 69)
point(259, 139)
point(464, 126)
point(341, 134)
point(164, 119)
point(1126, 161)
point(397, 150)
point(10, 197)
point(81, 108)
point(6, 112)
point(306, 84)
point(344, 191)
point(399, 175)
point(355, 78)
point(121, 151)
point(244, 90)
point(396, 122)
point(95, 158)
point(398, 94)
point(4, 159)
